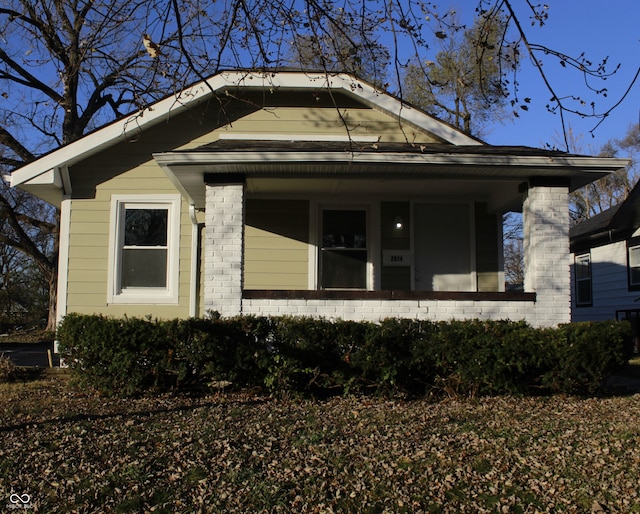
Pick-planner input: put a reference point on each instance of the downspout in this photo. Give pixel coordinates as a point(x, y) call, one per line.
point(195, 252)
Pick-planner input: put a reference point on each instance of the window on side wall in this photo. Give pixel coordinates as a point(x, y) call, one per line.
point(144, 252)
point(633, 264)
point(344, 253)
point(583, 280)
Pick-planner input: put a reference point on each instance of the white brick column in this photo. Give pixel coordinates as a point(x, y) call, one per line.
point(546, 253)
point(224, 229)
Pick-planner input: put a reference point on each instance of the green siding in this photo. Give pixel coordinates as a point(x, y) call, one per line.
point(276, 244)
point(277, 232)
point(89, 243)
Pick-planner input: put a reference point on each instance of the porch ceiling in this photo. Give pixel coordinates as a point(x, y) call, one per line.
point(500, 195)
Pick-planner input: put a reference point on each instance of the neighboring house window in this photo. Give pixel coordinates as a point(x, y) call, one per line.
point(633, 263)
point(583, 279)
point(144, 249)
point(344, 252)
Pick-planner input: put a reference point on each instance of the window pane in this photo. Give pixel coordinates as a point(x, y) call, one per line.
point(144, 268)
point(582, 267)
point(634, 256)
point(583, 289)
point(145, 227)
point(344, 229)
point(344, 269)
point(634, 276)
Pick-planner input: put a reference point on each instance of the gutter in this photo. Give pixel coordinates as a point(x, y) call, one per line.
point(606, 164)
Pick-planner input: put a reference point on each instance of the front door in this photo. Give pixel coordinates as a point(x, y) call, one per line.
point(442, 247)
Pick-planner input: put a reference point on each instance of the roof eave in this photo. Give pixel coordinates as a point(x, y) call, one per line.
point(580, 170)
point(604, 164)
point(187, 170)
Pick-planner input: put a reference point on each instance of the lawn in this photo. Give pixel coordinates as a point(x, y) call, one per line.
point(74, 451)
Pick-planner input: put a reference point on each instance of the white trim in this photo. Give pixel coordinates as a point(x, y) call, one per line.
point(578, 257)
point(63, 258)
point(259, 136)
point(312, 281)
point(195, 253)
point(66, 180)
point(152, 296)
point(630, 266)
point(48, 178)
point(500, 243)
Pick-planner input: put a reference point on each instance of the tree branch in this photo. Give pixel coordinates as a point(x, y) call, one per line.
point(22, 242)
point(7, 139)
point(28, 79)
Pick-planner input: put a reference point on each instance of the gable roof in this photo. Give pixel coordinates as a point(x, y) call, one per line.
point(127, 127)
point(457, 154)
point(613, 224)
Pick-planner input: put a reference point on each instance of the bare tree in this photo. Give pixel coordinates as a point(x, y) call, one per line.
point(65, 68)
point(513, 251)
point(23, 278)
point(611, 190)
point(69, 66)
point(464, 84)
point(348, 44)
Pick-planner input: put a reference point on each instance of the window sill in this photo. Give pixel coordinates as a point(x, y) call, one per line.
point(147, 298)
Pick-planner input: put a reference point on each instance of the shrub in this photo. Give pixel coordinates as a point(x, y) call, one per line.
point(488, 357)
point(311, 355)
point(129, 356)
point(117, 356)
point(585, 354)
point(216, 350)
point(387, 356)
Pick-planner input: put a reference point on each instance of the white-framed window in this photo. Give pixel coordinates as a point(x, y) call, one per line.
point(144, 249)
point(343, 260)
point(582, 269)
point(633, 265)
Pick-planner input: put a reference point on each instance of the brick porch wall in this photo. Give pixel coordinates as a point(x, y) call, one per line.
point(375, 310)
point(224, 222)
point(546, 246)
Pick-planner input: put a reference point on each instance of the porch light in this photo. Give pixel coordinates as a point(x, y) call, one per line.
point(398, 223)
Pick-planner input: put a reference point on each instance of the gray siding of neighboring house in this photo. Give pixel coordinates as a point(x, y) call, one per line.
point(609, 284)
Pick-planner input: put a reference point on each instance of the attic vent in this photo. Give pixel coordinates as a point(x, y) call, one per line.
point(299, 137)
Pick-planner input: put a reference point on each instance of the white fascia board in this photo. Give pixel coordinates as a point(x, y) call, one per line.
point(579, 163)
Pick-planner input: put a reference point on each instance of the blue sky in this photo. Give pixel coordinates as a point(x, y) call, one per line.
point(599, 29)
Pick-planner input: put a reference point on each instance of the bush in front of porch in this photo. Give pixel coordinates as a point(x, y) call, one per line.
point(301, 355)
